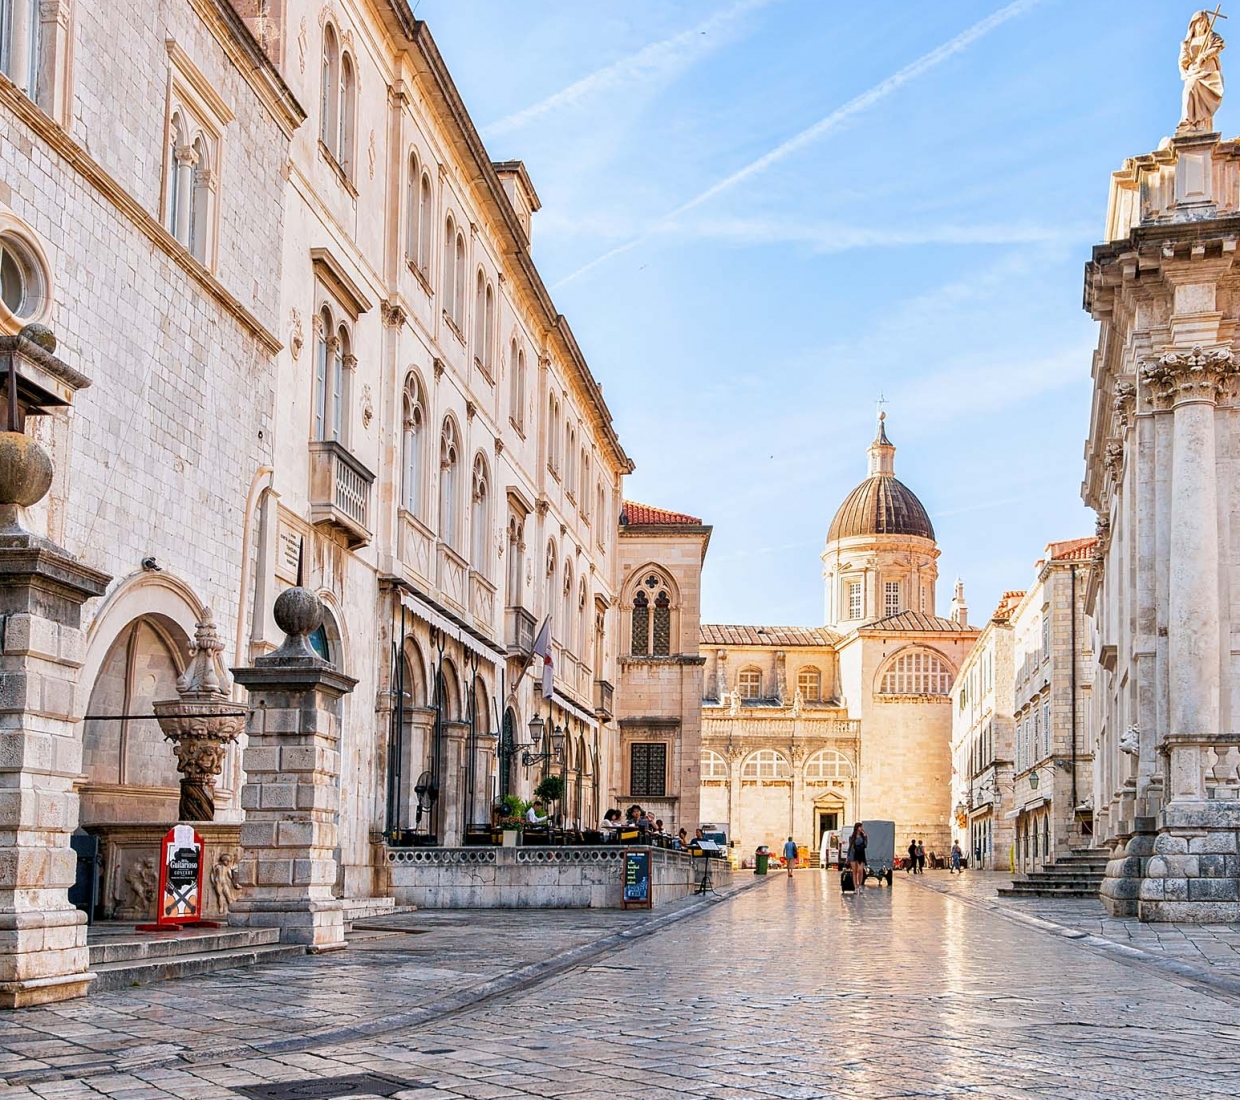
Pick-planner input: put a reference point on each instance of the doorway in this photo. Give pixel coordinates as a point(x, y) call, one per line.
point(828, 822)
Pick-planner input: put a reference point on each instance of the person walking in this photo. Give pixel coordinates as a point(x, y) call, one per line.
point(957, 854)
point(910, 865)
point(856, 855)
point(921, 858)
point(790, 854)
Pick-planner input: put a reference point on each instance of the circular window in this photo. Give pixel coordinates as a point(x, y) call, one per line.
point(23, 284)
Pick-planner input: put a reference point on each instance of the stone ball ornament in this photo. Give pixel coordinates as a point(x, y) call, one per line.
point(40, 335)
point(298, 611)
point(25, 473)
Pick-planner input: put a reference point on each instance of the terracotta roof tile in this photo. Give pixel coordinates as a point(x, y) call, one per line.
point(785, 637)
point(645, 513)
point(1007, 604)
point(917, 620)
point(1072, 549)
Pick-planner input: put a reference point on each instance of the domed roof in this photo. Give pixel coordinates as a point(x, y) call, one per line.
point(881, 504)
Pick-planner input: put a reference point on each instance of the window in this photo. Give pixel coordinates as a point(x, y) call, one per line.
point(602, 515)
point(662, 625)
point(648, 769)
point(570, 459)
point(329, 101)
point(1046, 723)
point(23, 280)
point(480, 517)
point(454, 274)
point(488, 332)
point(417, 217)
point(652, 618)
point(516, 552)
point(917, 672)
point(640, 637)
point(332, 356)
point(413, 420)
point(583, 620)
point(891, 598)
point(1037, 734)
point(516, 384)
point(854, 599)
point(424, 225)
point(553, 434)
point(480, 289)
point(1046, 634)
point(569, 620)
point(583, 496)
point(749, 683)
point(348, 110)
point(459, 271)
point(827, 764)
point(809, 684)
point(449, 472)
point(714, 766)
point(766, 764)
point(189, 179)
point(19, 43)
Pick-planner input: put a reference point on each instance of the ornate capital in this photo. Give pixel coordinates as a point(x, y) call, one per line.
point(1178, 377)
point(1124, 399)
point(1113, 458)
point(393, 313)
point(439, 368)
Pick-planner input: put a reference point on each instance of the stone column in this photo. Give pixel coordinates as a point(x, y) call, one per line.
point(291, 798)
point(1189, 877)
point(452, 784)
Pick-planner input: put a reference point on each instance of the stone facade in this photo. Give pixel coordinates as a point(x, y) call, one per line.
point(1161, 471)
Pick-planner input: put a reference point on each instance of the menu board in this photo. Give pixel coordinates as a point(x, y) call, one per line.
point(636, 864)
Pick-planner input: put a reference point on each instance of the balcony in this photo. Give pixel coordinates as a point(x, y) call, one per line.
point(340, 492)
point(482, 602)
point(603, 695)
point(519, 632)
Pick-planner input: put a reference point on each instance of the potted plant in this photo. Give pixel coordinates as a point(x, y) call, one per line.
point(510, 811)
point(551, 789)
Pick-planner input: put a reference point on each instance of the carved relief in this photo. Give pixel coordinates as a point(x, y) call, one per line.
point(1113, 458)
point(1196, 375)
point(368, 408)
point(303, 43)
point(297, 335)
point(372, 152)
point(1124, 400)
point(223, 885)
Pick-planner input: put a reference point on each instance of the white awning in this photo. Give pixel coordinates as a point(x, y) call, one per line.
point(432, 616)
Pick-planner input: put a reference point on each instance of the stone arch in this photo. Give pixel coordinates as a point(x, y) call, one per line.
point(916, 669)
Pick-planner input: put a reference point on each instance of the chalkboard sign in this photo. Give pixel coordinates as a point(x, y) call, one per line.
point(636, 864)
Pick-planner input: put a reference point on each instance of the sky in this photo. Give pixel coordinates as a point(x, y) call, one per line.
point(759, 216)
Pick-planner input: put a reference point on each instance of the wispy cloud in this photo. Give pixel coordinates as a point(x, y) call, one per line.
point(821, 128)
point(657, 61)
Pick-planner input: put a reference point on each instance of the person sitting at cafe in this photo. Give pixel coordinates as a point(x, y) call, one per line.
point(609, 824)
point(658, 826)
point(533, 814)
point(682, 840)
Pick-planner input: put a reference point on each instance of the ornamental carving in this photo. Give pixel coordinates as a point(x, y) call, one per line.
point(1124, 399)
point(1202, 374)
point(1113, 457)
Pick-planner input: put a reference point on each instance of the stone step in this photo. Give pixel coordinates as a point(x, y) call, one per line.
point(1037, 892)
point(1052, 886)
point(165, 945)
point(122, 975)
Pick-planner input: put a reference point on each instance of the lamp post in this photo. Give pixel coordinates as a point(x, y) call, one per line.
point(1033, 780)
point(555, 749)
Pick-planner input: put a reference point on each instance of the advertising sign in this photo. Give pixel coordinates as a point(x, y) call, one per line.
point(180, 877)
point(636, 864)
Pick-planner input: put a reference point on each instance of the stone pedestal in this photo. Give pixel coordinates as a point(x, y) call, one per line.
point(291, 798)
point(43, 955)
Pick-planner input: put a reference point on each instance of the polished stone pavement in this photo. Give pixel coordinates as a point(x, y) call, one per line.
point(789, 990)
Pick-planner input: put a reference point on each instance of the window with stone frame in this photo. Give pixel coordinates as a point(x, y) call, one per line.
point(827, 765)
point(854, 600)
point(916, 672)
point(1046, 634)
point(809, 684)
point(338, 102)
point(484, 325)
point(20, 44)
point(419, 227)
point(662, 624)
point(651, 631)
point(449, 481)
point(639, 639)
point(412, 443)
point(1046, 725)
point(480, 517)
point(714, 766)
point(648, 769)
point(516, 384)
point(891, 598)
point(334, 364)
point(749, 683)
point(1037, 733)
point(766, 764)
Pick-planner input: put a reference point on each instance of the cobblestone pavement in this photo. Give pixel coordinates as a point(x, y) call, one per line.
point(1210, 949)
point(788, 991)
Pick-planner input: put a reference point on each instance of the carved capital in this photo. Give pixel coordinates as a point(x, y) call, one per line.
point(1113, 458)
point(439, 368)
point(471, 410)
point(393, 314)
point(1199, 374)
point(1124, 400)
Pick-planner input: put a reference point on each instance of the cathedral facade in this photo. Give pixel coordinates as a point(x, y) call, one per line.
point(807, 730)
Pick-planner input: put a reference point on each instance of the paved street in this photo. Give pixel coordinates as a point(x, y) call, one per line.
point(788, 991)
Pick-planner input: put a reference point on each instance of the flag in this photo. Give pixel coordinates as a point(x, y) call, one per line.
point(542, 648)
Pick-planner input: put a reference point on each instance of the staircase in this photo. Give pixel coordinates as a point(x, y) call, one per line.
point(1076, 875)
point(122, 957)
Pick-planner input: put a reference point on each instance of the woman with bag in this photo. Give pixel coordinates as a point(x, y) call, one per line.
point(856, 855)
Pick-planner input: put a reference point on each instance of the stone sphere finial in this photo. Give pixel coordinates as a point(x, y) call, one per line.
point(41, 335)
point(25, 477)
point(298, 611)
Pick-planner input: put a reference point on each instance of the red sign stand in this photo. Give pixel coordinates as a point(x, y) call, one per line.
point(180, 899)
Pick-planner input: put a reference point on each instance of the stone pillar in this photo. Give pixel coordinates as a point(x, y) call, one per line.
point(291, 798)
point(452, 784)
point(43, 953)
point(1192, 874)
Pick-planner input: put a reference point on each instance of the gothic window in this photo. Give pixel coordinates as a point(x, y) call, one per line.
point(916, 672)
point(854, 600)
point(516, 552)
point(192, 150)
point(449, 474)
point(413, 422)
point(200, 200)
point(569, 620)
point(329, 102)
point(424, 225)
point(766, 764)
point(640, 646)
point(348, 114)
point(583, 620)
point(417, 216)
point(516, 383)
point(714, 766)
point(584, 496)
point(19, 44)
point(648, 769)
point(480, 517)
point(809, 684)
point(891, 598)
point(332, 356)
point(662, 624)
point(828, 764)
point(749, 683)
point(449, 267)
point(459, 269)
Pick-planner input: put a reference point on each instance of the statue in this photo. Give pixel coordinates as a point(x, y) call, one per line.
point(1201, 72)
point(1130, 740)
point(223, 885)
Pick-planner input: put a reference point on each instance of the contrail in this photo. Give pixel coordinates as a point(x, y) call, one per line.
point(824, 126)
point(649, 62)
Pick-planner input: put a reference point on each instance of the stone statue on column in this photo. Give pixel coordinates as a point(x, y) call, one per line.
point(1202, 73)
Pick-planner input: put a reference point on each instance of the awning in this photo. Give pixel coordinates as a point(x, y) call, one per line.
point(442, 619)
point(573, 709)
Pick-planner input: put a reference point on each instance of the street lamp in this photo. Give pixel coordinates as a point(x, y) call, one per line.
point(1033, 780)
point(555, 748)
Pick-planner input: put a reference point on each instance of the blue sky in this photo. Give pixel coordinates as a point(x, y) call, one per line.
point(759, 215)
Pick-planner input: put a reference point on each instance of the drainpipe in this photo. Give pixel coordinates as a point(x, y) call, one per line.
point(1075, 800)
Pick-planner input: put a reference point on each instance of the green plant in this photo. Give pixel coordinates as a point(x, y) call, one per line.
point(510, 811)
point(551, 789)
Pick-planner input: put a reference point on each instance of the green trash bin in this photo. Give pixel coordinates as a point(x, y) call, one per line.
point(762, 860)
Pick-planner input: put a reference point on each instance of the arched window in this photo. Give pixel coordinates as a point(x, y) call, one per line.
point(200, 201)
point(916, 672)
point(180, 169)
point(749, 683)
point(570, 459)
point(652, 617)
point(424, 225)
point(329, 102)
point(324, 355)
point(413, 421)
point(766, 764)
point(480, 517)
point(19, 44)
point(827, 764)
point(662, 624)
point(553, 433)
point(413, 213)
point(583, 622)
point(342, 357)
point(809, 684)
point(516, 386)
point(449, 268)
point(714, 766)
point(459, 268)
point(584, 477)
point(449, 473)
point(480, 289)
point(516, 551)
point(488, 331)
point(550, 582)
point(640, 634)
point(569, 619)
point(348, 113)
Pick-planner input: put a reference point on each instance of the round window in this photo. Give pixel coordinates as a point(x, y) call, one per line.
point(23, 288)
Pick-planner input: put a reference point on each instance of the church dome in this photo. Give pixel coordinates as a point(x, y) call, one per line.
point(881, 505)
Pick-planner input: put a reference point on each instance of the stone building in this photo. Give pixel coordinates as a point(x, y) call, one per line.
point(1162, 473)
point(982, 743)
point(1053, 780)
point(806, 730)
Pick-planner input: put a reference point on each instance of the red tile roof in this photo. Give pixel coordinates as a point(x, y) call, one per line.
point(1072, 549)
point(645, 513)
point(1007, 604)
point(916, 620)
point(783, 636)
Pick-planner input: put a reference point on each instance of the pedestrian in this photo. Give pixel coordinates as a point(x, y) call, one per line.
point(790, 854)
point(957, 854)
point(977, 855)
point(910, 864)
point(856, 855)
point(921, 858)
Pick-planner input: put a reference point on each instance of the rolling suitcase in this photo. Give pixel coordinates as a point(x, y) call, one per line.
point(846, 882)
